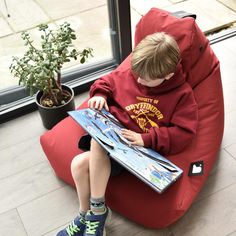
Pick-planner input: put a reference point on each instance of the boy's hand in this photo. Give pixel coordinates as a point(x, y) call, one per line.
point(98, 102)
point(133, 137)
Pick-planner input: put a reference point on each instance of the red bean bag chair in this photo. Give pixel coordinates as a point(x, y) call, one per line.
point(125, 193)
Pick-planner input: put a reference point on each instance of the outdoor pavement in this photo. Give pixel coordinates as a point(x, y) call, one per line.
point(90, 20)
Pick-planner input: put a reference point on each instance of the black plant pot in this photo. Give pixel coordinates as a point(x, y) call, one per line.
point(51, 116)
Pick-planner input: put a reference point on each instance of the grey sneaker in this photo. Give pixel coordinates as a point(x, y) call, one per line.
point(95, 224)
point(75, 228)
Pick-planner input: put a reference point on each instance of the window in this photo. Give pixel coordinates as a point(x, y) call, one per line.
point(98, 25)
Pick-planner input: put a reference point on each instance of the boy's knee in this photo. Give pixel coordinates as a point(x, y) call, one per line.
point(79, 165)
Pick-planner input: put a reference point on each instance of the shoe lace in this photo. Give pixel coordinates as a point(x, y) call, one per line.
point(91, 227)
point(72, 228)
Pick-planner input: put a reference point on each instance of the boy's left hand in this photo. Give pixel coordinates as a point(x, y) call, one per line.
point(133, 137)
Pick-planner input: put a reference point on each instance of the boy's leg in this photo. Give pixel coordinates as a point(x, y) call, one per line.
point(80, 174)
point(99, 169)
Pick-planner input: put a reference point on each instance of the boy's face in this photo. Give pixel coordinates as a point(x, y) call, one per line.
point(153, 82)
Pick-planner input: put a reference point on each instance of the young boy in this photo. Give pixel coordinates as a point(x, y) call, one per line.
point(155, 104)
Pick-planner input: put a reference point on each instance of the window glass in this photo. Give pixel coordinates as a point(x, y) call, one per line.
point(90, 20)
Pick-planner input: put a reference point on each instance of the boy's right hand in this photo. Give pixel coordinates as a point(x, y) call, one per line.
point(98, 102)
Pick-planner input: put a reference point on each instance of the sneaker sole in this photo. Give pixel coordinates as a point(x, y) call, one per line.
point(108, 219)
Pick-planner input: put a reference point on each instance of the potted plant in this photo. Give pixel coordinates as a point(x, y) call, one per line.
point(39, 70)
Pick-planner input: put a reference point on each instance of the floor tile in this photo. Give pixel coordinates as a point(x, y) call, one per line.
point(229, 91)
point(223, 175)
point(229, 129)
point(120, 226)
point(228, 69)
point(230, 44)
point(27, 185)
point(232, 234)
point(21, 129)
point(10, 224)
point(225, 51)
point(55, 231)
point(49, 211)
point(215, 215)
point(19, 157)
point(79, 99)
point(232, 150)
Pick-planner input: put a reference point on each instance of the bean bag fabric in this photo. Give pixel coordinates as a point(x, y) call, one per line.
point(125, 193)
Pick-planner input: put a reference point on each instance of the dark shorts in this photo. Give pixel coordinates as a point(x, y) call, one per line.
point(84, 144)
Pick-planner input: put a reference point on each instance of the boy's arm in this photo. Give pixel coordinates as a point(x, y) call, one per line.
point(102, 87)
point(182, 128)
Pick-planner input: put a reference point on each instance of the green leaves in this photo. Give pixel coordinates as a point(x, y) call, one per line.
point(42, 27)
point(85, 54)
point(38, 68)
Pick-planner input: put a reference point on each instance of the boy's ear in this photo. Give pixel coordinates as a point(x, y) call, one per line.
point(169, 76)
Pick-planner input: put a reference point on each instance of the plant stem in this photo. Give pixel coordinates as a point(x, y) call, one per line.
point(59, 79)
point(52, 95)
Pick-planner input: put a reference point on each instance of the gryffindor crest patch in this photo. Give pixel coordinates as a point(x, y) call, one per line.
point(145, 113)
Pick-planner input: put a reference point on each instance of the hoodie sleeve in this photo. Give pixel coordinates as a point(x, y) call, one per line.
point(174, 138)
point(102, 87)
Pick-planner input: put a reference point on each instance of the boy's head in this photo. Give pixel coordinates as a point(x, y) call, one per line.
point(155, 58)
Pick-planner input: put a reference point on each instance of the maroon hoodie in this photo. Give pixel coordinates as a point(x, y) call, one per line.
point(166, 115)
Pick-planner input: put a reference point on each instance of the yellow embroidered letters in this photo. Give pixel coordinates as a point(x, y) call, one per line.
point(145, 113)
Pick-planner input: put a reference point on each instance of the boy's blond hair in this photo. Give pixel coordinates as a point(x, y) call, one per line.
point(156, 56)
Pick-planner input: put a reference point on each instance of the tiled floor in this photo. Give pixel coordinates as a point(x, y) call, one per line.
point(33, 202)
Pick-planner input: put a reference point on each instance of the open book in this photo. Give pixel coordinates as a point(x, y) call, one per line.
point(146, 164)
